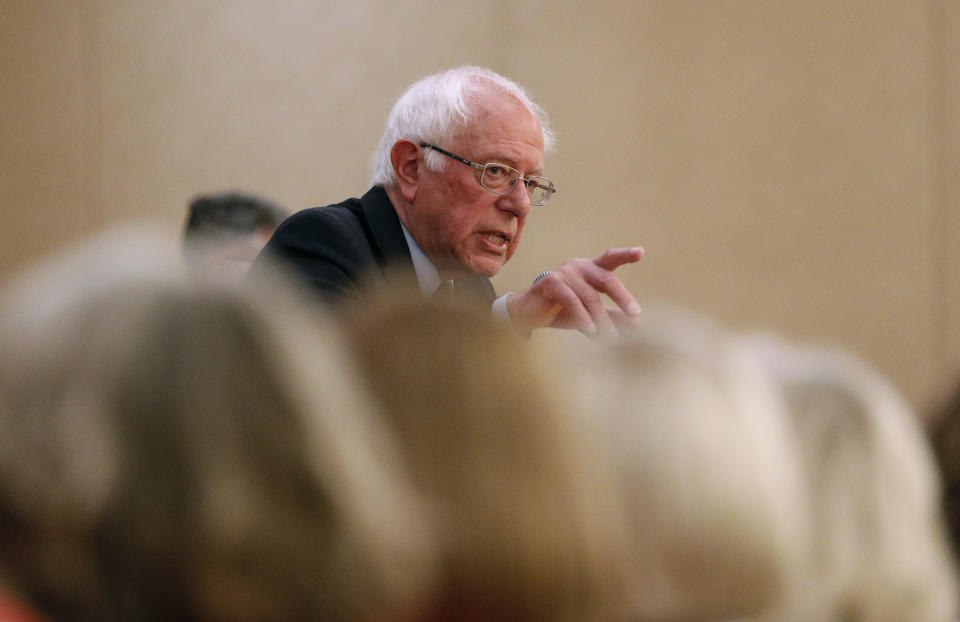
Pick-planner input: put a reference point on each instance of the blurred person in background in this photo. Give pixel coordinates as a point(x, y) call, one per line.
point(878, 551)
point(176, 451)
point(225, 231)
point(523, 505)
point(709, 471)
point(456, 174)
point(945, 434)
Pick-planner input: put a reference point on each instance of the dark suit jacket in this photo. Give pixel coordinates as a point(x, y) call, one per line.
point(348, 251)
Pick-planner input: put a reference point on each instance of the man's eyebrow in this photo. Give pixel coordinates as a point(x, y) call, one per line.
point(504, 159)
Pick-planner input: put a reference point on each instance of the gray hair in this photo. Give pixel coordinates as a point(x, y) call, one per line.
point(434, 107)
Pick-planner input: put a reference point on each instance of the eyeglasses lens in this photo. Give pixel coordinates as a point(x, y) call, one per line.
point(501, 179)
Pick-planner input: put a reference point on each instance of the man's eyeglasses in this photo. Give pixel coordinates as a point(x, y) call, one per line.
point(500, 178)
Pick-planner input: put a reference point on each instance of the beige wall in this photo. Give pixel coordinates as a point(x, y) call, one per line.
point(45, 171)
point(788, 165)
point(949, 224)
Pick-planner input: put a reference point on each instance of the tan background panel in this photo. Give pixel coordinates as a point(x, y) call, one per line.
point(43, 116)
point(949, 224)
point(790, 166)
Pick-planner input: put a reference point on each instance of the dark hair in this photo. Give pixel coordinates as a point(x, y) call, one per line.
point(945, 434)
point(230, 213)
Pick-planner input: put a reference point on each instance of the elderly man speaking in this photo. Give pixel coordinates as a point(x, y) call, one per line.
point(455, 175)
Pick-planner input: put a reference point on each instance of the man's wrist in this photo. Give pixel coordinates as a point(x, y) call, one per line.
point(499, 308)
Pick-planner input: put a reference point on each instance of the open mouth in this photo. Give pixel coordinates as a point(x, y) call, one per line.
point(496, 239)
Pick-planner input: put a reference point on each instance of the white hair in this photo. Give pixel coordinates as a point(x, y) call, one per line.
point(878, 547)
point(435, 107)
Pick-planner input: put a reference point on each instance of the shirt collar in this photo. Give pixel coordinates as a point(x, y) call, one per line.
point(427, 275)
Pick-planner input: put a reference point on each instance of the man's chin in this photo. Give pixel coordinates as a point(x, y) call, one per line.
point(483, 266)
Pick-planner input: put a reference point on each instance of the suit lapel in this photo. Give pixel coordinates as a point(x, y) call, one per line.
point(393, 255)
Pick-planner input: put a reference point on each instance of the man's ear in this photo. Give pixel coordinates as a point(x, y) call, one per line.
point(405, 157)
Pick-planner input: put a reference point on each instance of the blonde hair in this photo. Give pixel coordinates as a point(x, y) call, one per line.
point(173, 450)
point(708, 468)
point(879, 552)
point(525, 512)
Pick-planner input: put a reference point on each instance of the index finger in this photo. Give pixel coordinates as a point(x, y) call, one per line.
point(606, 282)
point(616, 257)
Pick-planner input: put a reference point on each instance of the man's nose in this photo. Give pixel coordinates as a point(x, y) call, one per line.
point(516, 201)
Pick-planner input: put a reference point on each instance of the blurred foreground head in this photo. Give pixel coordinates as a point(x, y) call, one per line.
point(224, 232)
point(709, 470)
point(878, 550)
point(524, 511)
point(173, 451)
